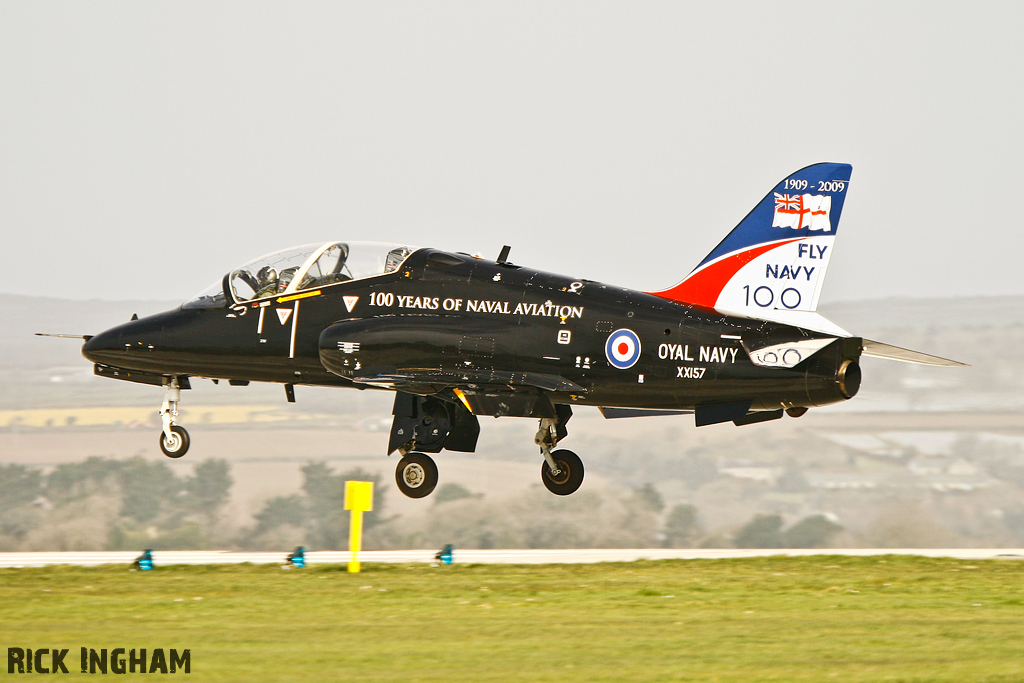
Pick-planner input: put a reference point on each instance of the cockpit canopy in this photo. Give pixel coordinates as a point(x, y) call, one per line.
point(302, 268)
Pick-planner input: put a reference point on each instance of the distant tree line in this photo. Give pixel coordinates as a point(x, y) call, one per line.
point(112, 504)
point(136, 503)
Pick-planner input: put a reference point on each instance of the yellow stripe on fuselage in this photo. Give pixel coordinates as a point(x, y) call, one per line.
point(293, 297)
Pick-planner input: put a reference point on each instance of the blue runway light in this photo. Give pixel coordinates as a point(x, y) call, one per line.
point(445, 554)
point(297, 558)
point(144, 561)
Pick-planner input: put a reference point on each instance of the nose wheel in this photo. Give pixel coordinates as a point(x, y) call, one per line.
point(566, 477)
point(562, 470)
point(174, 441)
point(177, 445)
point(416, 475)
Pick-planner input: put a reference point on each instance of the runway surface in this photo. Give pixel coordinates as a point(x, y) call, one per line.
point(168, 557)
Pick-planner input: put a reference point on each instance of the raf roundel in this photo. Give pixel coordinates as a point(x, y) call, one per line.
point(622, 348)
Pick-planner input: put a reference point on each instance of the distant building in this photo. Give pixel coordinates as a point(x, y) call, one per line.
point(942, 482)
point(844, 480)
point(750, 469)
point(951, 482)
point(924, 466)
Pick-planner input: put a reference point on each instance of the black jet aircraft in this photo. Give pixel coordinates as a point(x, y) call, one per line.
point(457, 336)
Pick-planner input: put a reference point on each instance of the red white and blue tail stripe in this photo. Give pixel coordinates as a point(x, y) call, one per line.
point(775, 260)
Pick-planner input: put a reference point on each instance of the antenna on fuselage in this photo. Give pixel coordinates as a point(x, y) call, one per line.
point(503, 256)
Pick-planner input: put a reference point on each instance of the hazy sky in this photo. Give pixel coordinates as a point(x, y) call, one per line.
point(148, 147)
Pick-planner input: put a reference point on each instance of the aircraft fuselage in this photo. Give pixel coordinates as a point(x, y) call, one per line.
point(488, 324)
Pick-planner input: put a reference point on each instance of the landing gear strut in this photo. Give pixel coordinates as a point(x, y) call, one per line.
point(174, 441)
point(562, 470)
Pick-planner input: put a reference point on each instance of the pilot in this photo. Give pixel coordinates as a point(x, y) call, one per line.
point(395, 258)
point(267, 278)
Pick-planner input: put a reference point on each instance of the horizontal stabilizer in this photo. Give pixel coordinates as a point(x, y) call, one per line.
point(880, 350)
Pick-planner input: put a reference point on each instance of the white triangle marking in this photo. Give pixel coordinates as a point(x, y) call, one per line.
point(283, 313)
point(350, 302)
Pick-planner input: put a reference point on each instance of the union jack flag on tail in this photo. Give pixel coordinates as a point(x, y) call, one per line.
point(798, 211)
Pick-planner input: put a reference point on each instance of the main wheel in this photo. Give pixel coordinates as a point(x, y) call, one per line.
point(177, 445)
point(570, 473)
point(416, 475)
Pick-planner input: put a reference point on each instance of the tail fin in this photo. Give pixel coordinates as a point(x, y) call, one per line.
point(774, 261)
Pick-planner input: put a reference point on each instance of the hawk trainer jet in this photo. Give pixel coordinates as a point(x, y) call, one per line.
point(456, 336)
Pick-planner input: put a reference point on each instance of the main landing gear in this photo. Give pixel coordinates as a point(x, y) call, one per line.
point(174, 441)
point(561, 471)
point(429, 424)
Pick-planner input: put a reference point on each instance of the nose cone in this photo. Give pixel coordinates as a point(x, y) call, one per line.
point(158, 344)
point(105, 347)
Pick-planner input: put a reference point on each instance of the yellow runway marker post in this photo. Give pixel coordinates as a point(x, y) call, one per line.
point(358, 499)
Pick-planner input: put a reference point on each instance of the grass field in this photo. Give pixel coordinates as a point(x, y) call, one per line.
point(783, 619)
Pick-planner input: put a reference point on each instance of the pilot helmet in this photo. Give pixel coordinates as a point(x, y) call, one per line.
point(266, 275)
point(395, 258)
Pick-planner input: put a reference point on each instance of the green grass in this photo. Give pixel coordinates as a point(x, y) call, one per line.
point(784, 619)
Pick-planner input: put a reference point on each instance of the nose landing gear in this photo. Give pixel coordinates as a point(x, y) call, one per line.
point(562, 470)
point(174, 440)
